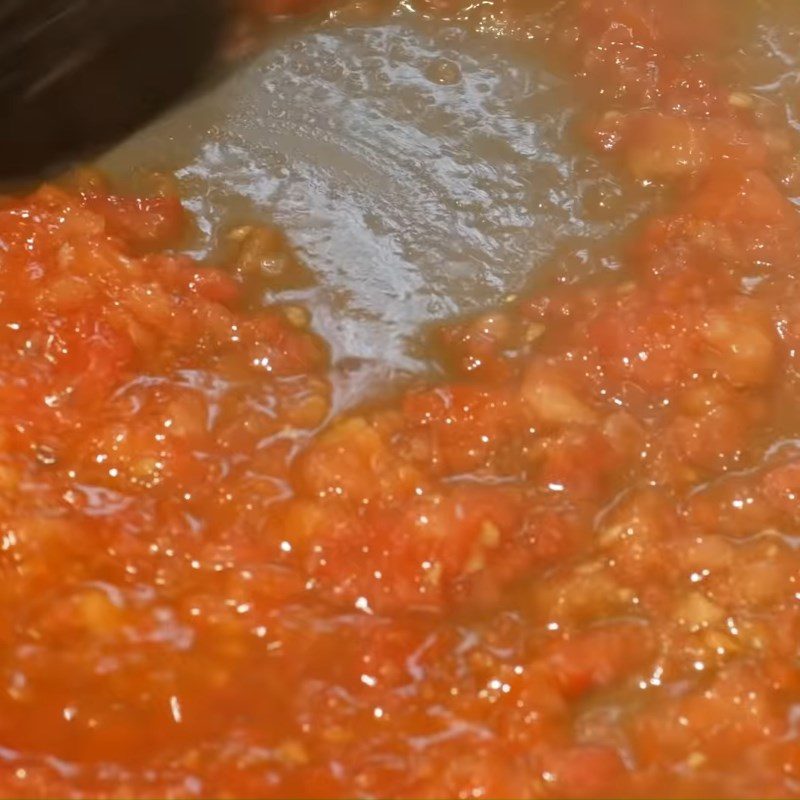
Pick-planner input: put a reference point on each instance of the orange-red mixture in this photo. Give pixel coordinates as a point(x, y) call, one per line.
point(570, 570)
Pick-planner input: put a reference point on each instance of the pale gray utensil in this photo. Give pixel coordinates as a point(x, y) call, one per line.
point(421, 170)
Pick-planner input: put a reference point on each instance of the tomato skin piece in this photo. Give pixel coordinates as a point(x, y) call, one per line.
point(585, 771)
point(629, 51)
point(581, 463)
point(732, 196)
point(443, 549)
point(212, 284)
point(599, 657)
point(143, 222)
point(781, 489)
point(666, 147)
point(735, 224)
point(674, 31)
point(463, 426)
point(705, 710)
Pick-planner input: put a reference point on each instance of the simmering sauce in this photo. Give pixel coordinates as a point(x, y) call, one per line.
point(566, 567)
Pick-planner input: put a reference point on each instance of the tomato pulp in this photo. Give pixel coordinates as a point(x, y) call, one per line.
point(569, 568)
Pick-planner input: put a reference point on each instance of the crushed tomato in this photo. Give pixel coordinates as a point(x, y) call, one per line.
point(569, 569)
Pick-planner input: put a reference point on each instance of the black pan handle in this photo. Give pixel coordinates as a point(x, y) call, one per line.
point(78, 75)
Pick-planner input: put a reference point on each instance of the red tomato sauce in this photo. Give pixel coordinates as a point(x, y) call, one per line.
point(568, 569)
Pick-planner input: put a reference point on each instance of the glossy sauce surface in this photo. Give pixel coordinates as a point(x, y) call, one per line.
point(566, 565)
